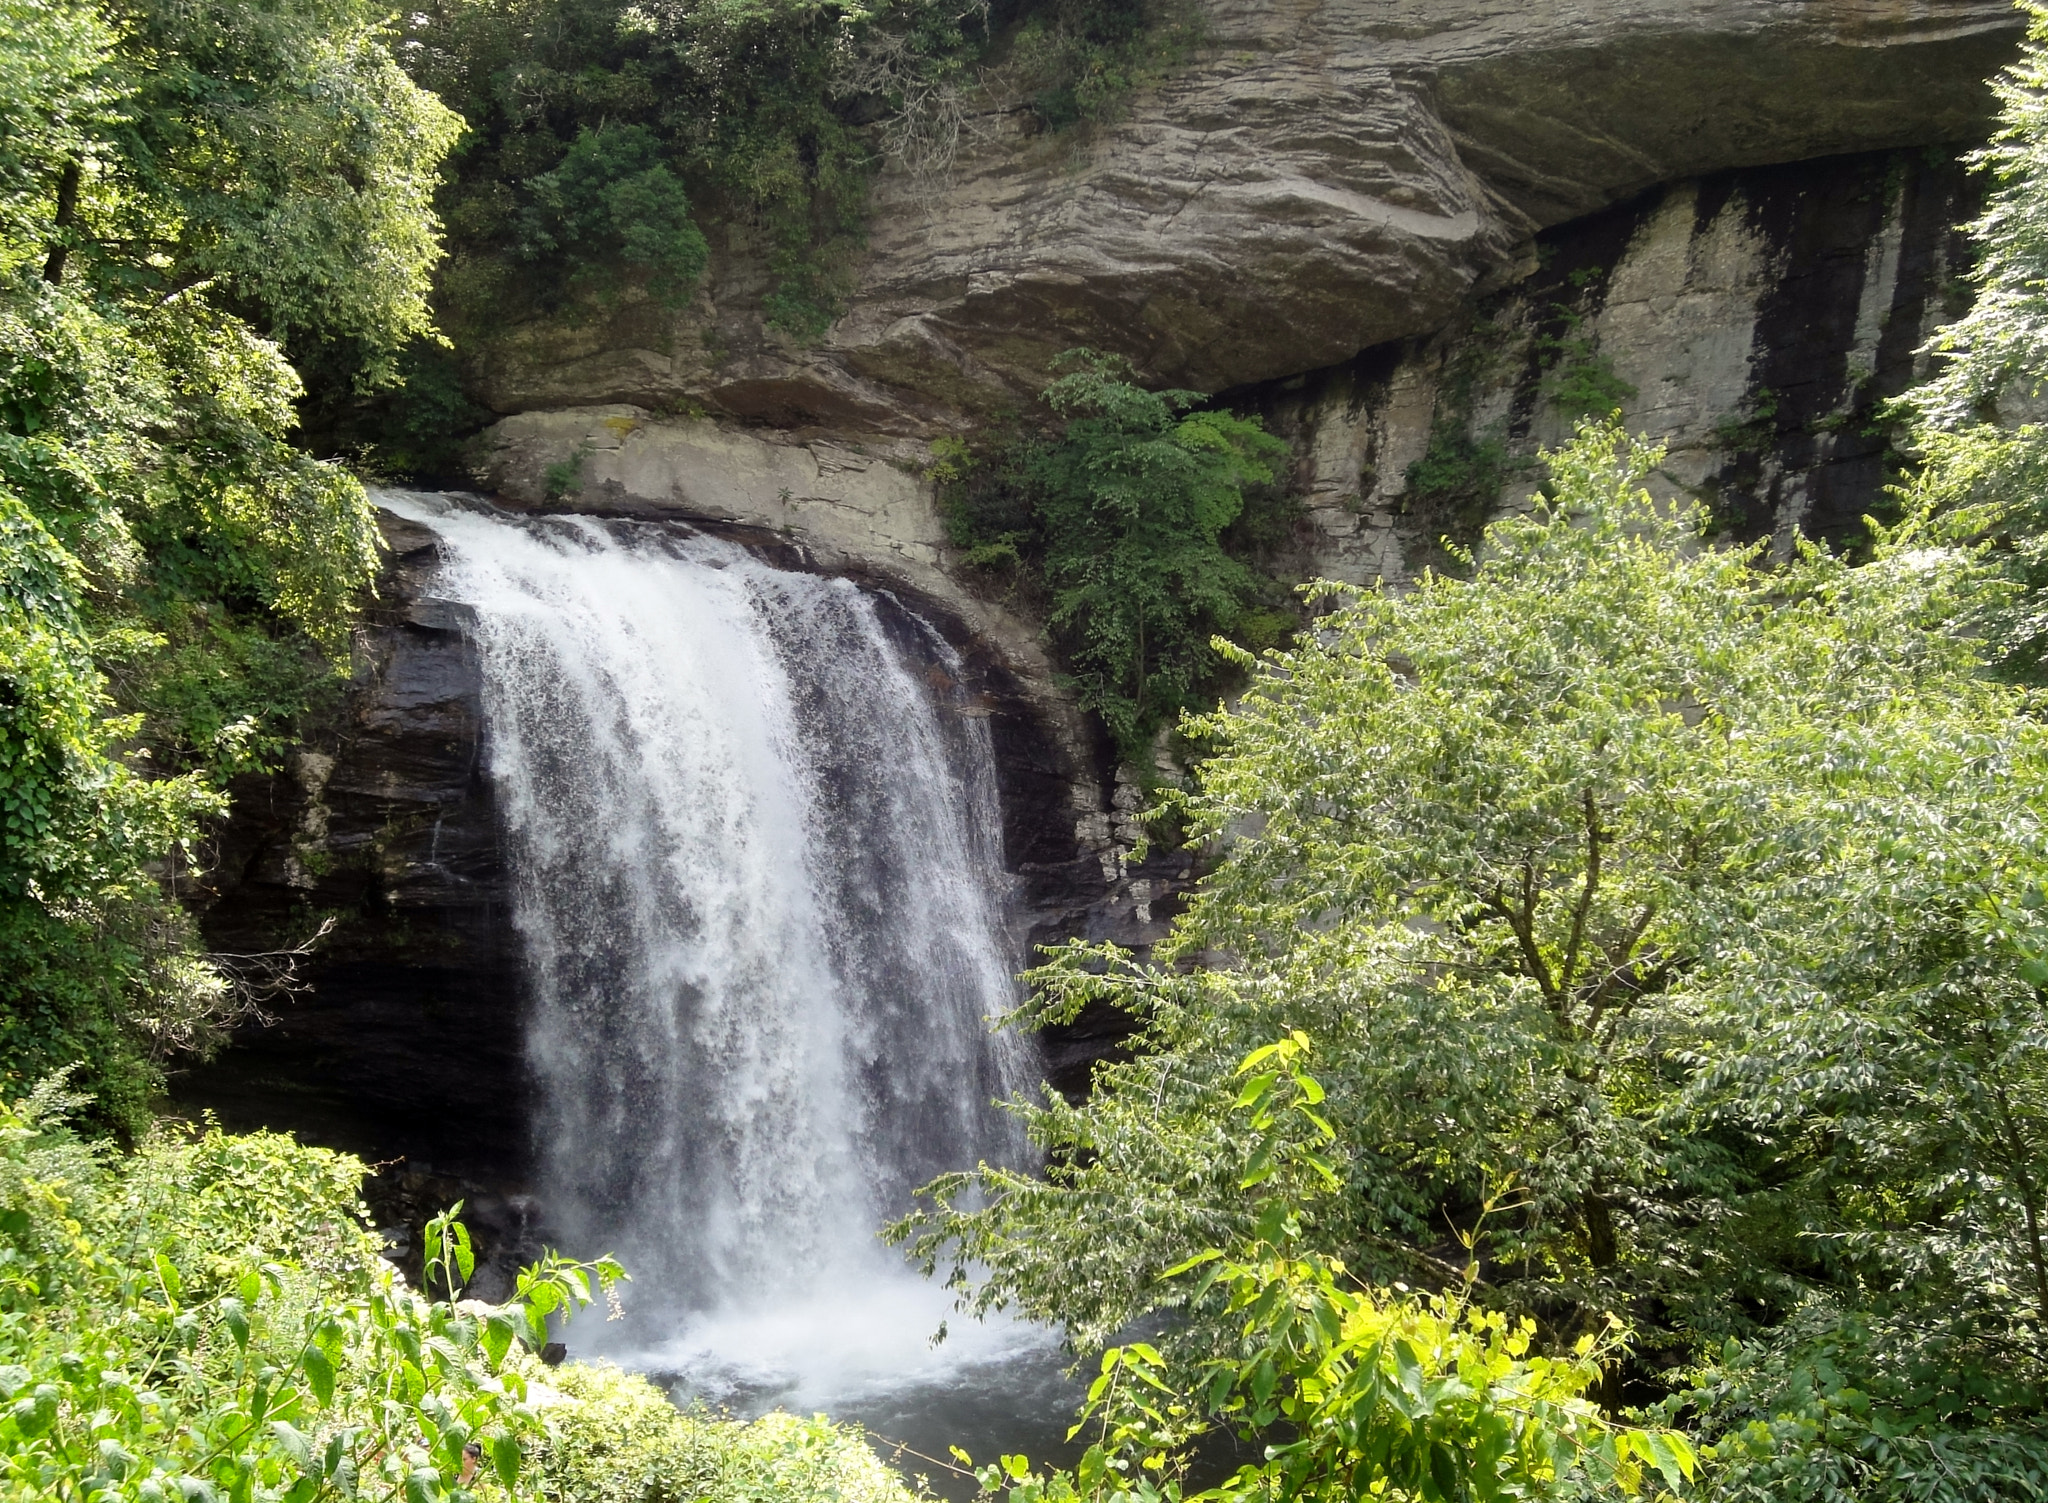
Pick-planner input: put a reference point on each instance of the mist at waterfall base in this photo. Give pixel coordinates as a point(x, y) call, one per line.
point(752, 829)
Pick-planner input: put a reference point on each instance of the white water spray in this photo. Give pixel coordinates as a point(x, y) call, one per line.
point(755, 862)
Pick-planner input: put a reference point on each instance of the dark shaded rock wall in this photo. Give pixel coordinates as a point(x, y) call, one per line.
point(1755, 322)
point(407, 1045)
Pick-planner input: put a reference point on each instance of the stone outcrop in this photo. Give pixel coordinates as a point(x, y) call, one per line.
point(1324, 177)
point(407, 1044)
point(1756, 323)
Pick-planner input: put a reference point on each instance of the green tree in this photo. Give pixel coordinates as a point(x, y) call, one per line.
point(1375, 1392)
point(277, 156)
point(1127, 511)
point(1667, 905)
point(1974, 425)
point(613, 203)
point(753, 116)
point(175, 185)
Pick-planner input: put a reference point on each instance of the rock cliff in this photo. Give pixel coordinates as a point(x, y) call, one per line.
point(1324, 177)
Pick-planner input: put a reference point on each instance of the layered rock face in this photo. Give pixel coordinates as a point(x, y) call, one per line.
point(1326, 176)
point(408, 1042)
point(1756, 323)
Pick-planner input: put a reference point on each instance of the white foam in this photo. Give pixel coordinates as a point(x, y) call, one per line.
point(838, 1344)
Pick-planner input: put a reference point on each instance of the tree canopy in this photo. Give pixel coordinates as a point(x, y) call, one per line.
point(1664, 924)
point(181, 191)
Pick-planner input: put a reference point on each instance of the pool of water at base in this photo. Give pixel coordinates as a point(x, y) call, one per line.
point(1023, 1404)
point(867, 1351)
point(872, 1355)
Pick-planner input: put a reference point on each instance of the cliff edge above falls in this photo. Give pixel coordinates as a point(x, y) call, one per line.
point(1324, 176)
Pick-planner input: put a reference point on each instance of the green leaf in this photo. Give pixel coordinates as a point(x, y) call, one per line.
point(1257, 1089)
point(506, 1458)
point(294, 1443)
point(236, 1319)
point(1444, 1473)
point(496, 1337)
point(36, 1412)
point(318, 1367)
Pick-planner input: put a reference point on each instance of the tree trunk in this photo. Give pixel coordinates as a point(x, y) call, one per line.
point(1600, 1248)
point(68, 183)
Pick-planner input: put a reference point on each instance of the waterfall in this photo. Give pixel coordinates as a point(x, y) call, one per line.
point(754, 844)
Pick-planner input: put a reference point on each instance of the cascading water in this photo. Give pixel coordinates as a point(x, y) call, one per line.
point(755, 870)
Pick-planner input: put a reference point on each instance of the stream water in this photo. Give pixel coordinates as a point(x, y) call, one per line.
point(754, 842)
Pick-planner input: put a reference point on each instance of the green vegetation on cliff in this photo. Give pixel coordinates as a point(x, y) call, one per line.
point(1123, 519)
point(1132, 519)
point(600, 135)
point(761, 121)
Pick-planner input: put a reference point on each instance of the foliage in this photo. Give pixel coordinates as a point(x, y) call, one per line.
point(172, 569)
point(1975, 424)
point(1374, 1391)
point(1455, 486)
point(278, 156)
point(1080, 60)
point(1840, 1407)
point(1578, 380)
point(209, 1320)
point(53, 99)
point(1124, 515)
point(597, 127)
point(616, 1438)
point(1676, 910)
point(612, 202)
point(1459, 476)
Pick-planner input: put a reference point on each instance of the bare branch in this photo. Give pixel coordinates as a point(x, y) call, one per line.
point(1567, 972)
point(1524, 929)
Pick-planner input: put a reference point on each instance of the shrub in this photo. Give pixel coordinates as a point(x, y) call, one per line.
point(616, 1438)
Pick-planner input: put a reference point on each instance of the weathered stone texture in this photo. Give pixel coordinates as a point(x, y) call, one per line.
point(1760, 320)
point(1325, 176)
